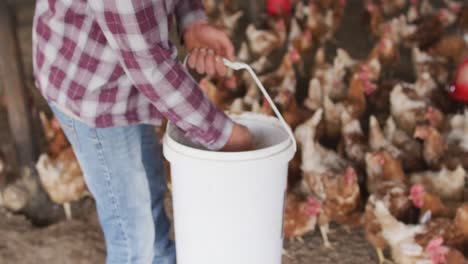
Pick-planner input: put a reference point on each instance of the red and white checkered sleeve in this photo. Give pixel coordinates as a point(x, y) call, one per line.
point(187, 12)
point(138, 31)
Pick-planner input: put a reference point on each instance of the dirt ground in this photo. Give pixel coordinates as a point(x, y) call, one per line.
point(81, 240)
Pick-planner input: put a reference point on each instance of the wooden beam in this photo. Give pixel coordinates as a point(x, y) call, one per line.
point(14, 89)
point(37, 205)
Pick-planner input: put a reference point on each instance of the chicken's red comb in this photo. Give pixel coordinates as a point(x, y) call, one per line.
point(421, 132)
point(312, 8)
point(442, 15)
point(230, 82)
point(435, 243)
point(266, 103)
point(456, 7)
point(294, 55)
point(350, 175)
point(388, 28)
point(312, 201)
point(371, 7)
point(417, 189)
point(281, 25)
point(437, 251)
point(378, 157)
point(365, 68)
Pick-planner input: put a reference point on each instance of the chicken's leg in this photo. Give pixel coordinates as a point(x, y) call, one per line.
point(300, 239)
point(382, 259)
point(324, 232)
point(287, 254)
point(68, 212)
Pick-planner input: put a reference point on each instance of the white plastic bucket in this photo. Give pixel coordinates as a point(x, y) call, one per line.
point(228, 206)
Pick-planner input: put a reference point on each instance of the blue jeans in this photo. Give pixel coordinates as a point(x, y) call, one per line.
point(123, 169)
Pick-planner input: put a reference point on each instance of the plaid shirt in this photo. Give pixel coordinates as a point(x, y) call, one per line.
point(111, 63)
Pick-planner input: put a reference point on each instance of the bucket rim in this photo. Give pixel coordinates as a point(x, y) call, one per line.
point(181, 149)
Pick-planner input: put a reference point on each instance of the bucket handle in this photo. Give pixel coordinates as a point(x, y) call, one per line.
point(243, 66)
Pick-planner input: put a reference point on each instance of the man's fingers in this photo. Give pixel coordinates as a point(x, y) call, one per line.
point(200, 64)
point(192, 60)
point(220, 68)
point(210, 63)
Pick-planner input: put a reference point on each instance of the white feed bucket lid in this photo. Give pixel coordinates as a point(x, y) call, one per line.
point(271, 135)
point(270, 138)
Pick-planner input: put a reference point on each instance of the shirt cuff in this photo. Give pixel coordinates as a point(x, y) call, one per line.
point(221, 135)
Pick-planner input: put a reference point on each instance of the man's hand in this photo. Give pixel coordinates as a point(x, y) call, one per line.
point(240, 139)
point(207, 46)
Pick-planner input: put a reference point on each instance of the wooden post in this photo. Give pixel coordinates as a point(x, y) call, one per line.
point(14, 89)
point(19, 118)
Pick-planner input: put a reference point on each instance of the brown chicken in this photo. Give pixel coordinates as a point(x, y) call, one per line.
point(314, 95)
point(434, 144)
point(342, 202)
point(353, 138)
point(390, 7)
point(463, 19)
point(228, 20)
point(362, 85)
point(407, 108)
point(331, 78)
point(400, 237)
point(429, 30)
point(264, 41)
point(332, 112)
point(386, 51)
point(391, 167)
point(316, 159)
point(411, 150)
point(300, 39)
point(373, 17)
point(377, 140)
point(222, 94)
point(62, 178)
point(379, 100)
point(451, 48)
point(437, 153)
point(356, 99)
point(453, 232)
point(54, 135)
point(394, 195)
point(447, 184)
point(429, 202)
point(381, 166)
point(324, 18)
point(424, 63)
point(436, 118)
point(373, 230)
point(292, 113)
point(300, 215)
point(284, 77)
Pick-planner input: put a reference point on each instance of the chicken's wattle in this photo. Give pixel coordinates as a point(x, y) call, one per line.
point(459, 89)
point(278, 7)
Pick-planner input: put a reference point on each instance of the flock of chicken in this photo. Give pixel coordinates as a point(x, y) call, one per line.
point(374, 151)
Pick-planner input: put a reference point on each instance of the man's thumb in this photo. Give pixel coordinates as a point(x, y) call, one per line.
point(227, 46)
